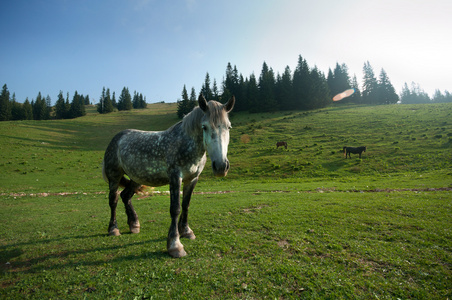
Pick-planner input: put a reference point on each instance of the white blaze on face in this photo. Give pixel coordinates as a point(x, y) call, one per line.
point(216, 141)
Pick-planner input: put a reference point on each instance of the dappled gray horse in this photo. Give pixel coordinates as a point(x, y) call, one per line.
point(174, 156)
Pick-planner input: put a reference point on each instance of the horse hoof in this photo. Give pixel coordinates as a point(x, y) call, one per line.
point(135, 228)
point(189, 235)
point(176, 249)
point(114, 232)
point(177, 253)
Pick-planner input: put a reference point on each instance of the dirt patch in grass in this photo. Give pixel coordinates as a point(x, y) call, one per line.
point(318, 190)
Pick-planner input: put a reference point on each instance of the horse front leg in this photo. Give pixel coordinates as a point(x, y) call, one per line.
point(184, 229)
point(173, 244)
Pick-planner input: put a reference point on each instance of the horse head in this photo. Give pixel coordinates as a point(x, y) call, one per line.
point(215, 125)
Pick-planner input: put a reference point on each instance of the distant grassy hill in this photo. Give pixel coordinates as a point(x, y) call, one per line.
point(408, 146)
point(301, 223)
point(406, 141)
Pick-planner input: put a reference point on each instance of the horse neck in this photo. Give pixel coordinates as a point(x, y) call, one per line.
point(191, 126)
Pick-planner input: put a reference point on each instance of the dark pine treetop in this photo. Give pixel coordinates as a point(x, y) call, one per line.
point(386, 91)
point(5, 111)
point(370, 85)
point(125, 100)
point(267, 100)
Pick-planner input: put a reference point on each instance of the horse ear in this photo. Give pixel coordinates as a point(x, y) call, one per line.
point(230, 104)
point(202, 103)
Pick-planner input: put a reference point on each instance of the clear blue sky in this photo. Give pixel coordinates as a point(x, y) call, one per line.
point(155, 47)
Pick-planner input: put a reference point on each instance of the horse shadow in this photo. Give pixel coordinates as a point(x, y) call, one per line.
point(11, 261)
point(341, 163)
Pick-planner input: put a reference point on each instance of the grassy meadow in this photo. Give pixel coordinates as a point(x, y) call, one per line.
point(296, 223)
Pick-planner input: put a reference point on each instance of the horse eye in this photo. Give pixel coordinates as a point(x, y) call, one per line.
point(204, 127)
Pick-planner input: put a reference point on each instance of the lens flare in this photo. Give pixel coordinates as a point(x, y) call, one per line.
point(343, 95)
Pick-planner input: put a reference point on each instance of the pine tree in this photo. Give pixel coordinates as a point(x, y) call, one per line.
point(415, 95)
point(341, 79)
point(356, 97)
point(215, 92)
point(28, 110)
point(267, 100)
point(135, 100)
point(105, 104)
point(319, 92)
point(125, 100)
point(112, 99)
point(67, 104)
point(370, 85)
point(17, 111)
point(301, 84)
point(252, 94)
point(405, 95)
point(386, 91)
point(138, 102)
point(101, 104)
point(330, 81)
point(192, 101)
point(143, 103)
point(82, 106)
point(60, 107)
point(40, 110)
point(5, 109)
point(285, 90)
point(77, 106)
point(439, 97)
point(205, 90)
point(241, 103)
point(230, 83)
point(183, 106)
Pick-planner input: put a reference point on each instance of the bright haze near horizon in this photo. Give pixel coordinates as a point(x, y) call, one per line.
point(156, 47)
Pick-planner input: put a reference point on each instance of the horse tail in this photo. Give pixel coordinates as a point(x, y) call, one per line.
point(103, 172)
point(137, 188)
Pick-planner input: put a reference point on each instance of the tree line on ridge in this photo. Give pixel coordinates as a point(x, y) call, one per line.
point(41, 108)
point(303, 89)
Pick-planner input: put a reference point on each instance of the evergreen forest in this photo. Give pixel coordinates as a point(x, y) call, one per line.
point(304, 88)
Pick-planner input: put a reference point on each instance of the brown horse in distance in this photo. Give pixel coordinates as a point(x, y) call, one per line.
point(280, 144)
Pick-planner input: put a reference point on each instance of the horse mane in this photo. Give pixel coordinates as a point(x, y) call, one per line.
point(216, 114)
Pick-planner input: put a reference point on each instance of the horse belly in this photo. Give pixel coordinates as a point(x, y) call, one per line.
point(152, 174)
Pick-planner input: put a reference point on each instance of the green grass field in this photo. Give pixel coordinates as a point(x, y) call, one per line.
point(301, 223)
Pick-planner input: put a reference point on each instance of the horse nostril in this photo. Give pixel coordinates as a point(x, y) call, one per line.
point(221, 167)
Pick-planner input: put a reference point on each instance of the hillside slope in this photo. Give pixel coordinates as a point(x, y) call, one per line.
point(407, 146)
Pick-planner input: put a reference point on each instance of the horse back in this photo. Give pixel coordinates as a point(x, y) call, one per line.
point(147, 157)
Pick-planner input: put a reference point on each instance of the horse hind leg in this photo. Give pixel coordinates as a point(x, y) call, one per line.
point(113, 202)
point(126, 196)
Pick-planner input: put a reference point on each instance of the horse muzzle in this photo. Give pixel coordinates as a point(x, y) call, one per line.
point(220, 169)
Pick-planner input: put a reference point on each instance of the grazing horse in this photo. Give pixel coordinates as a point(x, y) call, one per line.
point(280, 144)
point(174, 156)
point(354, 150)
